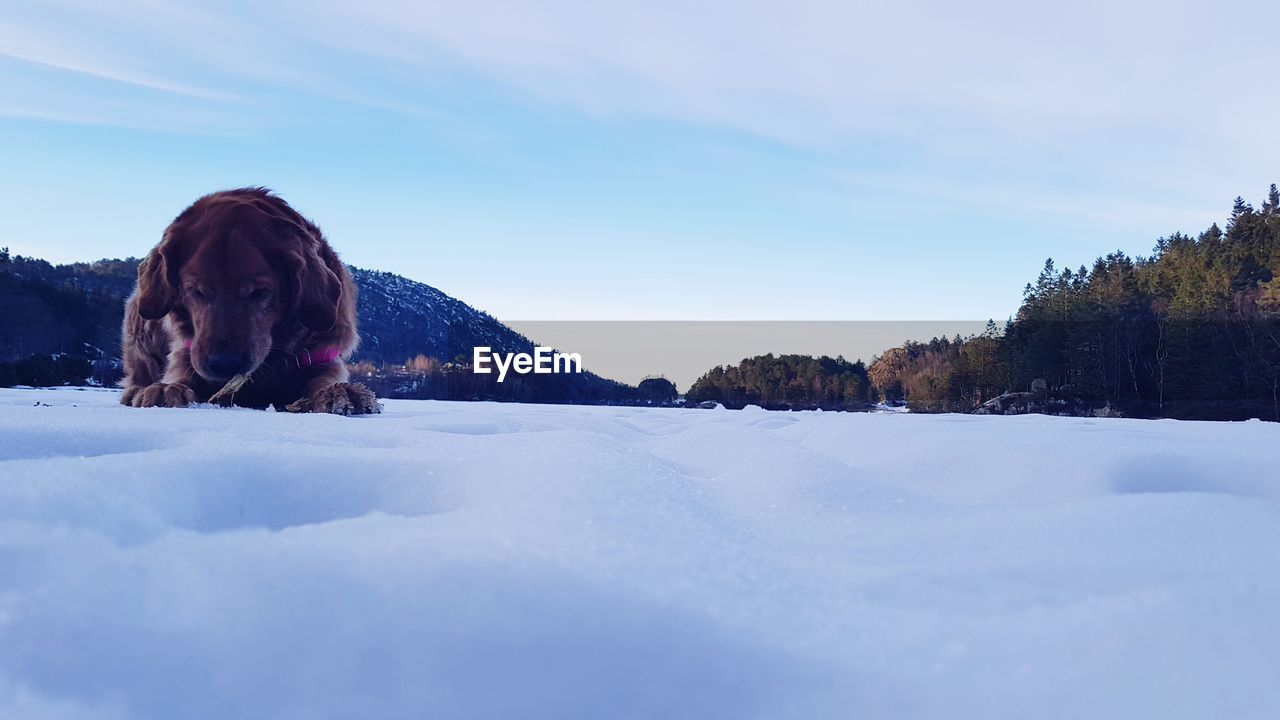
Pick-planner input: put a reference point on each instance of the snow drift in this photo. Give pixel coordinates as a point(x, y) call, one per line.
point(479, 560)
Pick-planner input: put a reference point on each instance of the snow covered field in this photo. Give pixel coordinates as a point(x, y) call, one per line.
point(478, 560)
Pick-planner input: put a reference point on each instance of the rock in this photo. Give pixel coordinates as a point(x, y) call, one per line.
point(1011, 403)
point(1107, 411)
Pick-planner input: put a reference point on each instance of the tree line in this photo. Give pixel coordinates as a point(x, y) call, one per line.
point(60, 324)
point(1191, 331)
point(786, 382)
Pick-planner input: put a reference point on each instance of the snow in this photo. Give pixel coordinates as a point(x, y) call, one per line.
point(484, 560)
point(889, 408)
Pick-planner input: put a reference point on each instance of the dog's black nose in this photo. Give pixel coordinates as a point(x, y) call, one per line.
point(225, 364)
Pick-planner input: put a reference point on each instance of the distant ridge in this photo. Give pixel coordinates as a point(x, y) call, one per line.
point(77, 309)
point(401, 318)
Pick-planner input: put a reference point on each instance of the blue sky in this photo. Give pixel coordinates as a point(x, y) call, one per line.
point(724, 160)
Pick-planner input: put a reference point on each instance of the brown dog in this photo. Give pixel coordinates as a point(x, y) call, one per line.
point(242, 285)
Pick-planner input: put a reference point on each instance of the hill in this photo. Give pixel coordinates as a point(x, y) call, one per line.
point(76, 310)
point(401, 318)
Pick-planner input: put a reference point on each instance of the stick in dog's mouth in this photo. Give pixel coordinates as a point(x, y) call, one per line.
point(226, 395)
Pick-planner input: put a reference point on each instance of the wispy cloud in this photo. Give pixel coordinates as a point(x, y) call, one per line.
point(801, 70)
point(43, 48)
point(1126, 95)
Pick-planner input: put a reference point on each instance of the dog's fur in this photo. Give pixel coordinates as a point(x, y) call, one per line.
point(241, 283)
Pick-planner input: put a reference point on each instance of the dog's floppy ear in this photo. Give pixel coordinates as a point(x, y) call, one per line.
point(314, 269)
point(157, 280)
point(318, 288)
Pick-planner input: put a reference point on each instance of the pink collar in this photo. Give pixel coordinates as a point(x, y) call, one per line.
point(307, 358)
point(304, 359)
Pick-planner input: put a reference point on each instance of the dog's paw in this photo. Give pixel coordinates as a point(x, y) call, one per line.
point(339, 399)
point(162, 395)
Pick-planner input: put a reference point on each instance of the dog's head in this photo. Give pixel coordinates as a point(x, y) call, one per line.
point(237, 269)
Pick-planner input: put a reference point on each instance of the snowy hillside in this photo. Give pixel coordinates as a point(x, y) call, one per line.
point(400, 318)
point(78, 308)
point(478, 560)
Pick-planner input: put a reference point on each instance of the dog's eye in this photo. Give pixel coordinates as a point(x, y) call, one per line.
point(259, 295)
point(196, 295)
